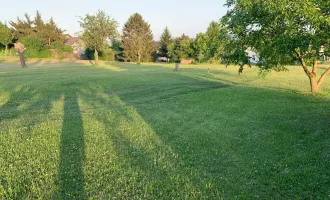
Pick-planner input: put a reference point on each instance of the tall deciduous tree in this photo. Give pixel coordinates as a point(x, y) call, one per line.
point(208, 45)
point(165, 41)
point(201, 47)
point(137, 39)
point(214, 41)
point(5, 35)
point(181, 48)
point(98, 29)
point(284, 30)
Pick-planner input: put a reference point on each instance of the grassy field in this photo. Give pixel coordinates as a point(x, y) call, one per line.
point(123, 131)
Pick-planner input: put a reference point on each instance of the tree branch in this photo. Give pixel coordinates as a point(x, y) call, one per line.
point(315, 66)
point(302, 62)
point(319, 83)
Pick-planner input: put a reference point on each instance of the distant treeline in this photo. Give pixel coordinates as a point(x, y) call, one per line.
point(39, 37)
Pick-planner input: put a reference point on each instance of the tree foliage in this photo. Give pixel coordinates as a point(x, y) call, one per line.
point(234, 50)
point(283, 30)
point(34, 47)
point(52, 33)
point(164, 43)
point(119, 51)
point(32, 42)
point(181, 48)
point(214, 40)
point(137, 39)
point(209, 45)
point(23, 27)
point(48, 32)
point(5, 35)
point(201, 47)
point(97, 30)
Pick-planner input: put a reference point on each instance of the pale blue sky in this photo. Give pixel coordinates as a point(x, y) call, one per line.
point(181, 16)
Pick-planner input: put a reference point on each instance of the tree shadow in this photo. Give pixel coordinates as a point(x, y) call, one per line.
point(247, 140)
point(91, 62)
point(146, 161)
point(72, 150)
point(23, 102)
point(28, 106)
point(35, 63)
point(208, 136)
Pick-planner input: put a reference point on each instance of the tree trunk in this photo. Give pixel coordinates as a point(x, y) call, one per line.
point(6, 51)
point(22, 58)
point(177, 67)
point(139, 58)
point(20, 50)
point(313, 84)
point(96, 57)
point(241, 68)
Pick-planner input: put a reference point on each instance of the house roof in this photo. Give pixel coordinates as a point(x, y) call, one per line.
point(70, 41)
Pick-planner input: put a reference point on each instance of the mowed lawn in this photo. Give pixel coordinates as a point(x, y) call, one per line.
point(124, 131)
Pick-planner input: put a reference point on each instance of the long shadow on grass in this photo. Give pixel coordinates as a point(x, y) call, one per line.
point(247, 142)
point(72, 150)
point(146, 168)
point(147, 163)
point(199, 138)
point(25, 100)
point(239, 141)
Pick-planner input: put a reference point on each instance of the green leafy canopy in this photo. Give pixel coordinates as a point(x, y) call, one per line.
point(97, 29)
point(5, 34)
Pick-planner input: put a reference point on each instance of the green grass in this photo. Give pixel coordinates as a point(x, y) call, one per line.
point(122, 131)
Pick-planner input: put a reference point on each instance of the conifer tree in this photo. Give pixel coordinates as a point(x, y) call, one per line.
point(137, 40)
point(22, 27)
point(164, 43)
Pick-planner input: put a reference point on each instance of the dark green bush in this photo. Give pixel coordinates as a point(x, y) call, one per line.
point(89, 53)
point(33, 43)
point(46, 53)
point(34, 47)
point(57, 45)
point(61, 47)
point(32, 53)
point(106, 54)
point(68, 49)
point(10, 52)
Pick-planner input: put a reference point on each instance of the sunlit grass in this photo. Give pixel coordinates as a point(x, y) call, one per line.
point(124, 131)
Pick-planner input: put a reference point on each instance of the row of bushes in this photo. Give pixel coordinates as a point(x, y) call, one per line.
point(106, 54)
point(35, 48)
point(10, 52)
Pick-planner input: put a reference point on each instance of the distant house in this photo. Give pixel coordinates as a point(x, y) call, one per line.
point(253, 56)
point(78, 46)
point(323, 57)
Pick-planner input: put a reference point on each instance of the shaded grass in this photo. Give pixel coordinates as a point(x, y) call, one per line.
point(74, 131)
